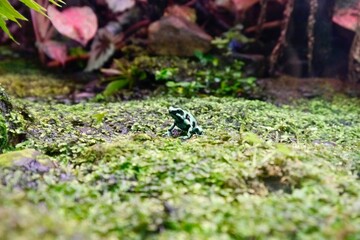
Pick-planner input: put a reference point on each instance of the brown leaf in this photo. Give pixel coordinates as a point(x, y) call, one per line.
point(181, 12)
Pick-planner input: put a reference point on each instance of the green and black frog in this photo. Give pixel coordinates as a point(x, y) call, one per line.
point(185, 121)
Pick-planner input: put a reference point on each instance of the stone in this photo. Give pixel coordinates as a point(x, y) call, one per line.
point(5, 108)
point(142, 137)
point(28, 158)
point(175, 36)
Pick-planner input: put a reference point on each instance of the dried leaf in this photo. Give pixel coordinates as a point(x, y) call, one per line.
point(181, 12)
point(120, 5)
point(77, 23)
point(102, 49)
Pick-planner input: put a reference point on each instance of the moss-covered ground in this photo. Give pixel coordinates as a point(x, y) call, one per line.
point(260, 171)
point(23, 78)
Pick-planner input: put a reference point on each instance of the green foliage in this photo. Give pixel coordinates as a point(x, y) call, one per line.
point(216, 78)
point(227, 80)
point(184, 88)
point(206, 59)
point(9, 13)
point(166, 73)
point(184, 77)
point(115, 86)
point(234, 34)
point(128, 76)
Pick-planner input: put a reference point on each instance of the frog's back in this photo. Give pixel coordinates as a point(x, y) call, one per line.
point(183, 125)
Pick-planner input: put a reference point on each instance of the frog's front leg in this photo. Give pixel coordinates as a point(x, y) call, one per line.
point(198, 130)
point(188, 135)
point(169, 131)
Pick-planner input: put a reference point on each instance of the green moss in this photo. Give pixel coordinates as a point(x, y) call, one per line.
point(14, 64)
point(259, 171)
point(21, 77)
point(34, 85)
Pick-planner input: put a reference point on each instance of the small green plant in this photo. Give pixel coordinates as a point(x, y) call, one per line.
point(208, 74)
point(226, 80)
point(206, 59)
point(166, 73)
point(128, 75)
point(187, 89)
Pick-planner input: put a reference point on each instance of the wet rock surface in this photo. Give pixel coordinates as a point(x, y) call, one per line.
point(286, 88)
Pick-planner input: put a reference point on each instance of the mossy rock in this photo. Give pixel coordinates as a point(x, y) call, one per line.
point(17, 158)
point(13, 121)
point(24, 78)
point(28, 158)
point(5, 108)
point(3, 133)
point(259, 171)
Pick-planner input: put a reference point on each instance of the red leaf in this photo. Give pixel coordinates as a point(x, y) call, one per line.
point(54, 50)
point(77, 23)
point(346, 18)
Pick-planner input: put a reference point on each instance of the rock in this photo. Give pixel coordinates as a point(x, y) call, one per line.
point(284, 89)
point(27, 158)
point(142, 137)
point(13, 121)
point(176, 36)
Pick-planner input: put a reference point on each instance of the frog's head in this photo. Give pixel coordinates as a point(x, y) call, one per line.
point(177, 113)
